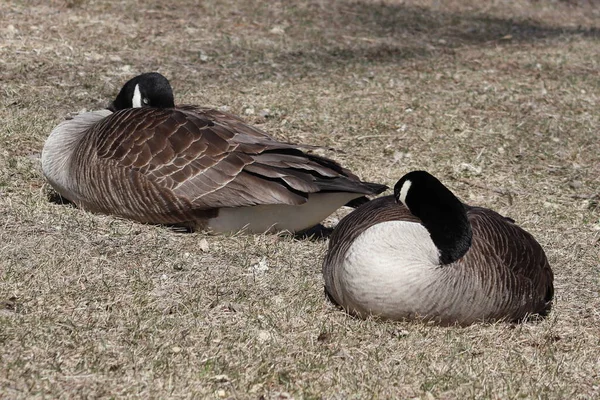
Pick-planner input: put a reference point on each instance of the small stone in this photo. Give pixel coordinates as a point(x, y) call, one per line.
point(398, 156)
point(221, 378)
point(277, 30)
point(575, 185)
point(471, 168)
point(260, 267)
point(203, 245)
point(264, 336)
point(176, 349)
point(257, 387)
point(204, 57)
point(333, 221)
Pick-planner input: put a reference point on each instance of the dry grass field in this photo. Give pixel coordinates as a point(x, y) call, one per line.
point(499, 99)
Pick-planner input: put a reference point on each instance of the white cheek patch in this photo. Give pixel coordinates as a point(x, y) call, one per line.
point(136, 101)
point(404, 191)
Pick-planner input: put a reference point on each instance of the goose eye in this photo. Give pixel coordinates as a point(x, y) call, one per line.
point(145, 100)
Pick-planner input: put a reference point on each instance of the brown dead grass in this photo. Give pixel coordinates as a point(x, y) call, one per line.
point(499, 99)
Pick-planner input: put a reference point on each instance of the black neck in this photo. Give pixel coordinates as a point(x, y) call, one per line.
point(450, 230)
point(443, 214)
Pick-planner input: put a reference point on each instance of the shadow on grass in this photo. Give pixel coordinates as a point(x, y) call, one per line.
point(55, 198)
point(411, 31)
point(326, 37)
point(316, 233)
point(386, 20)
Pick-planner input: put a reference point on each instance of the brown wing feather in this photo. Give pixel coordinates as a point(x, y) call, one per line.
point(210, 159)
point(528, 273)
point(236, 123)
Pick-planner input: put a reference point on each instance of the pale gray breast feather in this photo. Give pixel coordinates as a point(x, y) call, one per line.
point(376, 211)
point(61, 144)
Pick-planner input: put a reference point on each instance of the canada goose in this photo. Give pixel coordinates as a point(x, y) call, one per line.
point(422, 253)
point(147, 160)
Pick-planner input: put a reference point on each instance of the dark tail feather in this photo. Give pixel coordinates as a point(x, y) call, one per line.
point(375, 188)
point(357, 202)
point(343, 184)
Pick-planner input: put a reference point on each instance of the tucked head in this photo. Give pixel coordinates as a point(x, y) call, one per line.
point(418, 187)
point(146, 90)
point(440, 211)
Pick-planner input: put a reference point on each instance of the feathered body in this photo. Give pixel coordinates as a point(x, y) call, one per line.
point(382, 262)
point(183, 165)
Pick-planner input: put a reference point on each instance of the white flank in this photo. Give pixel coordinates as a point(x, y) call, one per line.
point(59, 148)
point(136, 101)
point(404, 191)
point(280, 217)
point(387, 268)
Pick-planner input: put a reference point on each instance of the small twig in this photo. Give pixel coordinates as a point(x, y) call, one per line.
point(364, 39)
point(375, 136)
point(585, 196)
point(499, 191)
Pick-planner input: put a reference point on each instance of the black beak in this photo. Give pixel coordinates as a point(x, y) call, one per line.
point(397, 196)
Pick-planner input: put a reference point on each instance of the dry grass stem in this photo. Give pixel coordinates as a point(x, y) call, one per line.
point(498, 99)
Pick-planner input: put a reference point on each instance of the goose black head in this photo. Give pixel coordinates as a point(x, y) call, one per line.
point(146, 90)
point(440, 211)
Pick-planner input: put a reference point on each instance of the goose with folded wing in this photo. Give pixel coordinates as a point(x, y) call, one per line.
point(147, 160)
